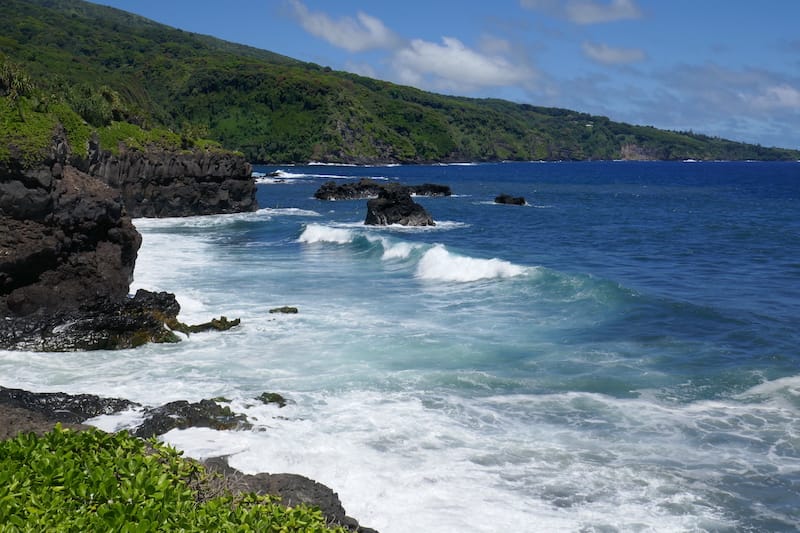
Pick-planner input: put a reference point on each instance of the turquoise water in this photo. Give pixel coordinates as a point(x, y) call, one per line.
point(621, 354)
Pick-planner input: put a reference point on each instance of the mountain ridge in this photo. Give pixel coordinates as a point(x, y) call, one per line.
point(277, 109)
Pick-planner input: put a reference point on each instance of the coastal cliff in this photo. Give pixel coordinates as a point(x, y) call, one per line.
point(168, 183)
point(68, 247)
point(66, 239)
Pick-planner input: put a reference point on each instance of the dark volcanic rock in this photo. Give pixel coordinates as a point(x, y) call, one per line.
point(364, 188)
point(182, 415)
point(16, 420)
point(66, 240)
point(508, 199)
point(68, 247)
point(61, 407)
point(272, 397)
point(286, 310)
point(430, 189)
point(367, 188)
point(293, 489)
point(395, 206)
point(157, 183)
point(103, 325)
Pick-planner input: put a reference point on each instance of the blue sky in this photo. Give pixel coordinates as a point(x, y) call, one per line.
point(729, 68)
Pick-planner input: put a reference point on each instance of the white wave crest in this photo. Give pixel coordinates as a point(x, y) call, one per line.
point(440, 264)
point(281, 176)
point(397, 250)
point(202, 221)
point(788, 387)
point(318, 233)
point(291, 211)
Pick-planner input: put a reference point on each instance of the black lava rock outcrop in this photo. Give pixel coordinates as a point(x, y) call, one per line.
point(102, 325)
point(367, 188)
point(158, 183)
point(183, 414)
point(61, 407)
point(395, 206)
point(293, 490)
point(68, 247)
point(66, 240)
point(508, 199)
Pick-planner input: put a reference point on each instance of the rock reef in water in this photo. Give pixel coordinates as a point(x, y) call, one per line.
point(508, 199)
point(366, 188)
point(395, 206)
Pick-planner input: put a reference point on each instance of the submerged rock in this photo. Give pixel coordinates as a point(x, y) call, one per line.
point(182, 415)
point(286, 309)
point(272, 397)
point(395, 206)
point(508, 199)
point(216, 324)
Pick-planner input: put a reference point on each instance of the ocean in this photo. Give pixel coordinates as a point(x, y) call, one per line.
point(620, 354)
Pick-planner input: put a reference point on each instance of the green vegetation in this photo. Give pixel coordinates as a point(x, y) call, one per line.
point(113, 67)
point(95, 481)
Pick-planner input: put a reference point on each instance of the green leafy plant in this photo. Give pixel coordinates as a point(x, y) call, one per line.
point(96, 481)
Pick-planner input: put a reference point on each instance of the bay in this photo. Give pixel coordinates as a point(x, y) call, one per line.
point(621, 354)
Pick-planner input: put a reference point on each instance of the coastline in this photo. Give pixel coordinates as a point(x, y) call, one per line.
point(25, 412)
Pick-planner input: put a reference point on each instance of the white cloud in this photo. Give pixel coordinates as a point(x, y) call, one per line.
point(453, 66)
point(607, 55)
point(364, 32)
point(494, 45)
point(776, 97)
point(587, 11)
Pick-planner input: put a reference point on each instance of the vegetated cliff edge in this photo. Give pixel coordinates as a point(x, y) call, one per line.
point(166, 183)
point(68, 247)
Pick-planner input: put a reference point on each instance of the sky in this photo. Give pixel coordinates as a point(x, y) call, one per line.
point(727, 68)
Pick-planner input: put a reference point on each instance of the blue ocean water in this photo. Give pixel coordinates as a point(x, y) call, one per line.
point(621, 354)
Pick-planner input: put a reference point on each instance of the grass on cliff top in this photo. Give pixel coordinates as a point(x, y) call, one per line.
point(96, 481)
point(28, 125)
point(27, 128)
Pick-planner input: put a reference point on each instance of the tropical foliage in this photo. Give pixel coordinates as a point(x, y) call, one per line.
point(96, 481)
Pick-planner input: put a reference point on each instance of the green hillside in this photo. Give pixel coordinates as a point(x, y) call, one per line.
point(112, 66)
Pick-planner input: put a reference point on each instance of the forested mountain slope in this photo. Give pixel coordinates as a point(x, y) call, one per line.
point(113, 66)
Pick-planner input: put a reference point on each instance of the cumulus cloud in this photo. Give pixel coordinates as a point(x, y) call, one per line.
point(587, 11)
point(452, 65)
point(608, 55)
point(364, 32)
point(778, 97)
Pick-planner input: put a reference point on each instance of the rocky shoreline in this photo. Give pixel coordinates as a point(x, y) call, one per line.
point(28, 412)
point(68, 254)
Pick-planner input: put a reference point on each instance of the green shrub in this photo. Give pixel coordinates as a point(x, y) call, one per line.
point(96, 481)
point(135, 137)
